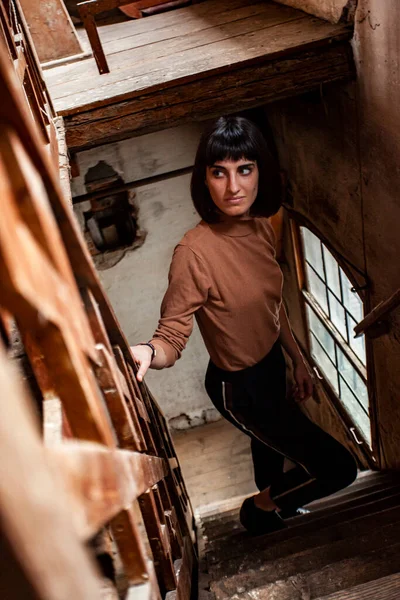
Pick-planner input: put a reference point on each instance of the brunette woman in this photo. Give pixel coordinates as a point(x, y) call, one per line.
point(224, 273)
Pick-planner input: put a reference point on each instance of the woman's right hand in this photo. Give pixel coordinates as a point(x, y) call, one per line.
point(142, 355)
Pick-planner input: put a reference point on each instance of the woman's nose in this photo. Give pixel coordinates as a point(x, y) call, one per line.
point(233, 184)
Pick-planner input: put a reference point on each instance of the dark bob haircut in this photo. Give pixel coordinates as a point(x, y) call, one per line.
point(235, 138)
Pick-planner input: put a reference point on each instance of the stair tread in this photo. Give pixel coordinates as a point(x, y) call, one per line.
point(372, 480)
point(293, 546)
point(238, 542)
point(330, 579)
point(211, 528)
point(385, 588)
point(309, 559)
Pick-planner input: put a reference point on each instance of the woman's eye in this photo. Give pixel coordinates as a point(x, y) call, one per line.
point(217, 173)
point(245, 170)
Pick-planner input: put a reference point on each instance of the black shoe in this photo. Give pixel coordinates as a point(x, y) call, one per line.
point(289, 513)
point(258, 521)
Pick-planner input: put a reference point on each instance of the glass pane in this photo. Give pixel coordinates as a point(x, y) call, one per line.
point(321, 333)
point(332, 273)
point(317, 288)
point(356, 344)
point(351, 300)
point(356, 412)
point(338, 315)
point(312, 251)
point(323, 362)
point(352, 378)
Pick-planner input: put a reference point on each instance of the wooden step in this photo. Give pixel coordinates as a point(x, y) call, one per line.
point(227, 524)
point(218, 534)
point(359, 490)
point(365, 479)
point(340, 575)
point(386, 588)
point(312, 542)
point(264, 573)
point(240, 542)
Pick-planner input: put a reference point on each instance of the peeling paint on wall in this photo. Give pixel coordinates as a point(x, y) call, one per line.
point(194, 419)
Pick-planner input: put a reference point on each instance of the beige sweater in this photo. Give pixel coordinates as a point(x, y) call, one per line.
point(227, 276)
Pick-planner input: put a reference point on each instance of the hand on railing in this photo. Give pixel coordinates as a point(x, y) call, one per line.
point(142, 355)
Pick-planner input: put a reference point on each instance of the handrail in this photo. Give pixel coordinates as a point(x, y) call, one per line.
point(378, 314)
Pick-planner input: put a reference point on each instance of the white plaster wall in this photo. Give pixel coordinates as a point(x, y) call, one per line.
point(143, 156)
point(137, 283)
point(136, 286)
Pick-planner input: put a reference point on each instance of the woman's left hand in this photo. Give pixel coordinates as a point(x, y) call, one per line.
point(304, 383)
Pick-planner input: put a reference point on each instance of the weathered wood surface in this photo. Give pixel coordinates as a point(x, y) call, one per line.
point(356, 542)
point(237, 543)
point(51, 28)
point(343, 574)
point(185, 574)
point(136, 9)
point(331, 552)
point(90, 8)
point(380, 313)
point(331, 10)
point(308, 542)
point(50, 288)
point(101, 483)
point(32, 501)
point(213, 56)
point(386, 588)
point(244, 88)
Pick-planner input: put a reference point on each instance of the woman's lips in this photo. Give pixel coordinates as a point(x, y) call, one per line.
point(234, 200)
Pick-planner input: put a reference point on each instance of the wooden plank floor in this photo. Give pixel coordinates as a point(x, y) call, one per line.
point(153, 61)
point(216, 465)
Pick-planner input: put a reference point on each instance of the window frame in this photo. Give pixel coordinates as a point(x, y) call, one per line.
point(307, 299)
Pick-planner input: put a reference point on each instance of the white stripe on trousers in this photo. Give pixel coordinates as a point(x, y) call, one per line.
point(263, 442)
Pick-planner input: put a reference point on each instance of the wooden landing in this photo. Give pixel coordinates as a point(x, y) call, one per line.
point(347, 548)
point(216, 465)
point(197, 62)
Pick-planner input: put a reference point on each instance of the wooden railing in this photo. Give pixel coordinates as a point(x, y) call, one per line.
point(113, 471)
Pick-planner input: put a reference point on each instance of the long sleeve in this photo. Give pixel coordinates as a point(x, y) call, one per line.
point(187, 291)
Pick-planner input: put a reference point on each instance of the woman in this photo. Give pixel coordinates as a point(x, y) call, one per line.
point(224, 272)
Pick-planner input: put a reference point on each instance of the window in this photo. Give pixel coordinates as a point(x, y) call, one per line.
point(333, 309)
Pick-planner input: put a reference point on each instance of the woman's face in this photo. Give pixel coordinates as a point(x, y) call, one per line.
point(233, 186)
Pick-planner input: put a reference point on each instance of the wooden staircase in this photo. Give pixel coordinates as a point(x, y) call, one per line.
point(92, 500)
point(347, 548)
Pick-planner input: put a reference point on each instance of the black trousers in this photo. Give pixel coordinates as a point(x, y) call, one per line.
point(254, 400)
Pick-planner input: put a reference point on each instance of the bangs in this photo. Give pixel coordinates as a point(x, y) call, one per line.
point(235, 138)
point(230, 144)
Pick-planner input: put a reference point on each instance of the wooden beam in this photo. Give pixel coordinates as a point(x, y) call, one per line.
point(380, 313)
point(127, 527)
point(245, 87)
point(184, 587)
point(129, 437)
point(101, 482)
point(158, 535)
point(90, 8)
